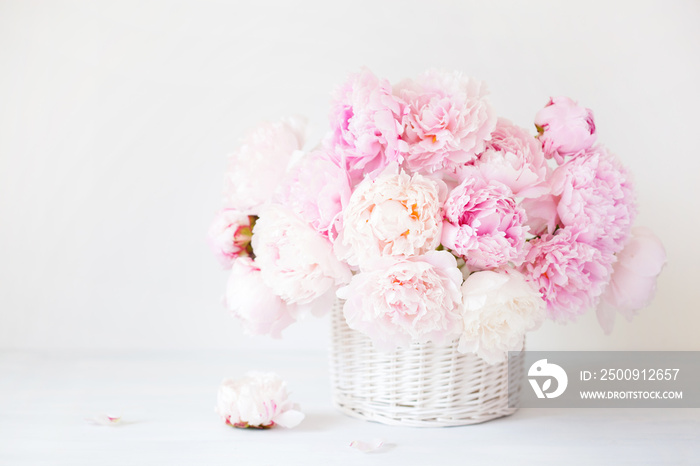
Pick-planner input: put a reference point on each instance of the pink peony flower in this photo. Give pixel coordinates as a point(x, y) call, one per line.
point(595, 199)
point(499, 308)
point(447, 120)
point(229, 236)
point(258, 400)
point(250, 300)
point(569, 274)
point(633, 282)
point(514, 157)
point(260, 164)
point(483, 224)
point(565, 128)
point(399, 301)
point(318, 189)
point(365, 123)
point(392, 215)
point(541, 214)
point(296, 262)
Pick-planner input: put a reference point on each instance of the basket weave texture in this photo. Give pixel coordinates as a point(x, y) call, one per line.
point(423, 385)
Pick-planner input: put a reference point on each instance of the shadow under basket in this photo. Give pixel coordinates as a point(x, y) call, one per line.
point(423, 385)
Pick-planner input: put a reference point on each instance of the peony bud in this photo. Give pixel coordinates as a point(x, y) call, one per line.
point(565, 128)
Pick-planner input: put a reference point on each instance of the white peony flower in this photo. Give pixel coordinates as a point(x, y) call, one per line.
point(257, 400)
point(400, 301)
point(258, 167)
point(295, 261)
point(393, 215)
point(499, 308)
point(253, 302)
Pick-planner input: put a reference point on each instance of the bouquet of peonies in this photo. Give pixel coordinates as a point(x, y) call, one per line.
point(434, 219)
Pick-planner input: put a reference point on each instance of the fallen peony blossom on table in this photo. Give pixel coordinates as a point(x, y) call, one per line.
point(258, 400)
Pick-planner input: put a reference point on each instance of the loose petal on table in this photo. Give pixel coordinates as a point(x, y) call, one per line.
point(367, 447)
point(105, 420)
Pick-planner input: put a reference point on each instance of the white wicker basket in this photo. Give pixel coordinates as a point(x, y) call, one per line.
point(422, 386)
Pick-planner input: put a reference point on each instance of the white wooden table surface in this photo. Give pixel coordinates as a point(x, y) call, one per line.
point(167, 402)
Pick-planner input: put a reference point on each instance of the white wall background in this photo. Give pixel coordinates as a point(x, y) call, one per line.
point(116, 118)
